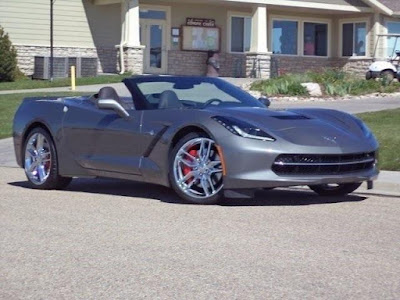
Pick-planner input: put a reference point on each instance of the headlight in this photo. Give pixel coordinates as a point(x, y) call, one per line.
point(243, 129)
point(365, 129)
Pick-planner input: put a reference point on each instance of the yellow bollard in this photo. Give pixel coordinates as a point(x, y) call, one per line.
point(73, 83)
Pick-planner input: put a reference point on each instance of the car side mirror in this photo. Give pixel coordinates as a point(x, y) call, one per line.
point(265, 101)
point(114, 105)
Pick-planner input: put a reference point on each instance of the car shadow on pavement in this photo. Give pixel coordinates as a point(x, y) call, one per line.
point(288, 197)
point(278, 197)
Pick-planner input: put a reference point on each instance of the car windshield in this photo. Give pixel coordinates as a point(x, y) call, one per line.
point(191, 92)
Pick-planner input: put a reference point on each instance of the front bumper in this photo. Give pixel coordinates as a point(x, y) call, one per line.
point(249, 164)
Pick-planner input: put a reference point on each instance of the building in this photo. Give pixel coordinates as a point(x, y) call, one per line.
point(256, 38)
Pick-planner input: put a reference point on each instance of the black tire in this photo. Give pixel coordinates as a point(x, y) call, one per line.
point(388, 75)
point(336, 190)
point(214, 199)
point(368, 75)
point(54, 181)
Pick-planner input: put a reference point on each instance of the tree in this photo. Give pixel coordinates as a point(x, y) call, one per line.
point(8, 58)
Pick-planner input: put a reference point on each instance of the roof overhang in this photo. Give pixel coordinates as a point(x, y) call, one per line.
point(380, 7)
point(104, 2)
point(373, 5)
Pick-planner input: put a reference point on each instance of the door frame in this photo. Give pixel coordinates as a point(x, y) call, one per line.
point(146, 32)
point(167, 38)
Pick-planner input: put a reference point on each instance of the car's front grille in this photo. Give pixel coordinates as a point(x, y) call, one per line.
point(316, 164)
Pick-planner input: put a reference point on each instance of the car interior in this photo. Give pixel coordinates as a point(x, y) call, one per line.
point(110, 93)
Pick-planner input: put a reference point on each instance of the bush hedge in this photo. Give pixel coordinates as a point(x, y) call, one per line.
point(333, 83)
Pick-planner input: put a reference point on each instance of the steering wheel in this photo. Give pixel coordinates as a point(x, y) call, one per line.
point(209, 102)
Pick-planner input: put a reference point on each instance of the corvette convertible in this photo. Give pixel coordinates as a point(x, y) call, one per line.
point(203, 137)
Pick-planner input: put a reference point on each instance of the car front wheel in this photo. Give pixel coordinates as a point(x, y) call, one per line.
point(40, 162)
point(196, 172)
point(335, 189)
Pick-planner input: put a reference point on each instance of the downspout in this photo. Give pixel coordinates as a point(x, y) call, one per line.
point(125, 17)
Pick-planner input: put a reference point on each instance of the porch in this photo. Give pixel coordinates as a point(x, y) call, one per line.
point(254, 40)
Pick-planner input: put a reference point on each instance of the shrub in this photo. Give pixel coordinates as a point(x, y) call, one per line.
point(289, 85)
point(327, 76)
point(334, 82)
point(8, 58)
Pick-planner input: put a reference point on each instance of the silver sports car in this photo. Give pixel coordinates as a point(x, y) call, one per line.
point(203, 137)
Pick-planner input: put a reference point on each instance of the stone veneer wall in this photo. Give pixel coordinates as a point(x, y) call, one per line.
point(194, 63)
point(258, 65)
point(107, 57)
point(296, 64)
point(133, 59)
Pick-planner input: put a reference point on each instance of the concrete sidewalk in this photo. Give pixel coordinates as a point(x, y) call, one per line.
point(388, 182)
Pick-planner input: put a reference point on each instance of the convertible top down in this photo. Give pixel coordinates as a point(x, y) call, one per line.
point(201, 136)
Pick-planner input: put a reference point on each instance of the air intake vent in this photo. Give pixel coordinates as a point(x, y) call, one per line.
point(315, 164)
point(291, 117)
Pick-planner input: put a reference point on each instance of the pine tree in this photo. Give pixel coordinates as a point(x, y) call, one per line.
point(8, 58)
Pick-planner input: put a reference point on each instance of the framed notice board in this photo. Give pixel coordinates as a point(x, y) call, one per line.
point(196, 38)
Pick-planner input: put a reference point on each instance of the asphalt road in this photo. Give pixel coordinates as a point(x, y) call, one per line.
point(122, 240)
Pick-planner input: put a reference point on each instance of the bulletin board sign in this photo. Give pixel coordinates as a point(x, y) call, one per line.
point(196, 38)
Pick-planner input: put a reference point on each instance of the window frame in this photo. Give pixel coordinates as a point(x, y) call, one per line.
point(367, 37)
point(386, 31)
point(300, 36)
point(232, 14)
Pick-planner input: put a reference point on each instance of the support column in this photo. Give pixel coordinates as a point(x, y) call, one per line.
point(377, 48)
point(258, 60)
point(130, 25)
point(259, 30)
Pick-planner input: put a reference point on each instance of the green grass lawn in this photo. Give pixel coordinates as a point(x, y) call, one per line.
point(27, 83)
point(385, 125)
point(9, 104)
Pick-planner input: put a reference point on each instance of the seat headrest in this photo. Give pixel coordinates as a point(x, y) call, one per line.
point(169, 100)
point(108, 93)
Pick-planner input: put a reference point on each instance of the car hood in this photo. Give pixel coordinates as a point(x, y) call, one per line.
point(309, 127)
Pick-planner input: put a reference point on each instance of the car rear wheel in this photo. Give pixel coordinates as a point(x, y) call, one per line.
point(40, 162)
point(335, 189)
point(196, 169)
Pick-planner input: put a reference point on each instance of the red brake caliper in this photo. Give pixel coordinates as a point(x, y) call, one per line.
point(186, 169)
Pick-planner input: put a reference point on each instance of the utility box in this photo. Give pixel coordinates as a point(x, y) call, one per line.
point(85, 67)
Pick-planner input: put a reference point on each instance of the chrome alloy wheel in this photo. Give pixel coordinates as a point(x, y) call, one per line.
point(37, 158)
point(198, 168)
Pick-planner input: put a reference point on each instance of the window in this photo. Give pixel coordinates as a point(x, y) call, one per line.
point(152, 14)
point(284, 37)
point(393, 43)
point(240, 34)
point(315, 39)
point(354, 36)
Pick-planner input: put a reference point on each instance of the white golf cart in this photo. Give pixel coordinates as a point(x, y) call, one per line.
point(390, 68)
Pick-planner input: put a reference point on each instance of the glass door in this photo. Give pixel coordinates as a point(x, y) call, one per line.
point(153, 35)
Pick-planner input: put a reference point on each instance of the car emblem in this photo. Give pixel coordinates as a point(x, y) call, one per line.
point(330, 139)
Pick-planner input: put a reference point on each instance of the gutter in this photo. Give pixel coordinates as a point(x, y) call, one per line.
point(123, 35)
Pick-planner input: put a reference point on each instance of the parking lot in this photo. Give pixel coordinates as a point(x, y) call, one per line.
point(112, 239)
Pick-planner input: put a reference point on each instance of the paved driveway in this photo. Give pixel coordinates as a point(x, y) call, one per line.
point(122, 240)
